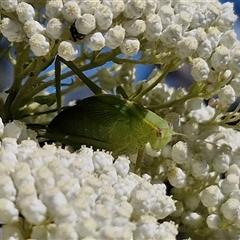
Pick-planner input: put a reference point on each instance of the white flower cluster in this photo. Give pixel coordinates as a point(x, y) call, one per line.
point(63, 195)
point(202, 32)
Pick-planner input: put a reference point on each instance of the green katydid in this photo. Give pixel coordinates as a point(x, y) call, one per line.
point(109, 122)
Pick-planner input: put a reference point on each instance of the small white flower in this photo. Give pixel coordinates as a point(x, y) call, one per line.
point(153, 27)
point(54, 28)
point(200, 69)
point(25, 12)
point(134, 27)
point(184, 19)
point(166, 14)
point(226, 95)
point(116, 6)
point(199, 167)
point(186, 47)
point(89, 6)
point(114, 37)
point(85, 23)
point(11, 30)
point(68, 50)
point(177, 177)
point(86, 227)
point(150, 7)
point(235, 83)
point(230, 184)
point(8, 212)
point(171, 35)
point(227, 18)
point(66, 231)
point(192, 219)
point(101, 159)
point(213, 221)
point(39, 44)
point(96, 41)
point(31, 27)
point(103, 16)
point(65, 214)
point(234, 63)
point(205, 49)
point(13, 129)
point(53, 8)
point(231, 209)
point(221, 162)
point(71, 11)
point(7, 188)
point(130, 46)
point(228, 39)
point(134, 9)
point(220, 58)
point(180, 153)
point(9, 5)
point(211, 196)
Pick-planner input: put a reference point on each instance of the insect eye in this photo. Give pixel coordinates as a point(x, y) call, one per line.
point(75, 34)
point(159, 133)
point(170, 125)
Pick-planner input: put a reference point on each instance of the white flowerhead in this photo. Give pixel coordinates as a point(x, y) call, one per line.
point(68, 50)
point(39, 44)
point(53, 8)
point(31, 27)
point(85, 23)
point(114, 36)
point(200, 69)
point(25, 12)
point(71, 11)
point(54, 28)
point(96, 41)
point(130, 46)
point(103, 16)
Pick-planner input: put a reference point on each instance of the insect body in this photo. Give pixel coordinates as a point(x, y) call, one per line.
point(109, 122)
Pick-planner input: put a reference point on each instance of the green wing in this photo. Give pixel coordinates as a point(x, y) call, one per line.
point(99, 121)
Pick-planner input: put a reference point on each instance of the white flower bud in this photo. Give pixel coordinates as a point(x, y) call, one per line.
point(65, 214)
point(96, 41)
point(86, 227)
point(192, 219)
point(153, 27)
point(205, 49)
point(31, 27)
point(150, 7)
point(85, 23)
point(10, 144)
point(184, 19)
point(66, 231)
point(228, 39)
point(213, 221)
point(13, 129)
point(130, 46)
point(211, 196)
point(134, 9)
point(106, 79)
point(179, 153)
point(186, 47)
point(230, 184)
point(220, 58)
point(39, 44)
point(54, 28)
point(11, 30)
point(235, 83)
point(177, 177)
point(171, 35)
point(33, 210)
point(166, 14)
point(89, 6)
point(146, 228)
point(25, 12)
point(103, 16)
point(53, 8)
point(134, 27)
point(227, 18)
point(221, 162)
point(101, 159)
point(7, 188)
point(8, 212)
point(122, 166)
point(68, 50)
point(114, 36)
point(116, 6)
point(71, 11)
point(231, 209)
point(226, 95)
point(199, 70)
point(9, 5)
point(234, 63)
point(199, 167)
